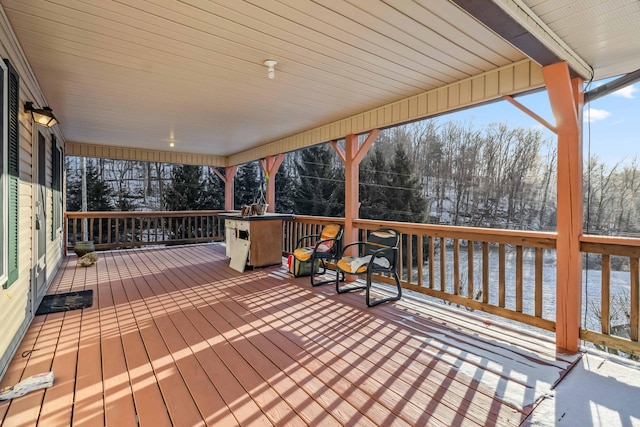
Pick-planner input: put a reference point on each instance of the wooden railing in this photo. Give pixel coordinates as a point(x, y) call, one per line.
point(109, 230)
point(492, 270)
point(622, 336)
point(479, 268)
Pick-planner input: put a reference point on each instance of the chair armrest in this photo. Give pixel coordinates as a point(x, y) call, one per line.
point(308, 236)
point(379, 253)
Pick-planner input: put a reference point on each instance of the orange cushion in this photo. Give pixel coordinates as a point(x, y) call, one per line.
point(345, 265)
point(329, 231)
point(303, 254)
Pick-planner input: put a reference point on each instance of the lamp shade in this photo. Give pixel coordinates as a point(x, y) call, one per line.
point(42, 116)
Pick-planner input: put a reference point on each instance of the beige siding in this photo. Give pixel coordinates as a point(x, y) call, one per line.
point(16, 301)
point(515, 78)
point(74, 148)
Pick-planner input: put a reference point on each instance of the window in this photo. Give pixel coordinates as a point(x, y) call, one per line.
point(56, 187)
point(9, 173)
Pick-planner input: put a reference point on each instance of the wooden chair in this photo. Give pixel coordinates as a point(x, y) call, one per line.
point(378, 254)
point(320, 248)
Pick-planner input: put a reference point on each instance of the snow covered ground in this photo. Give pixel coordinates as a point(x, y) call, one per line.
point(601, 390)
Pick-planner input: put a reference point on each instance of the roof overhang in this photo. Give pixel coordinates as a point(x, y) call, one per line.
point(126, 79)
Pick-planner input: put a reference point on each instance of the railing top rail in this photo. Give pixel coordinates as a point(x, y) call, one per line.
point(317, 219)
point(513, 237)
point(611, 240)
point(524, 237)
point(129, 214)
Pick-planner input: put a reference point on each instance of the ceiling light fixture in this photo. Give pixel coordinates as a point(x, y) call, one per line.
point(171, 139)
point(42, 116)
point(271, 71)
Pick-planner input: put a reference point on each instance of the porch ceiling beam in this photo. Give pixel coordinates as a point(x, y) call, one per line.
point(520, 26)
point(84, 149)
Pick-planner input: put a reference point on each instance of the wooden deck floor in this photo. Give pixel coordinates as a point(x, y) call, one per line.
point(176, 337)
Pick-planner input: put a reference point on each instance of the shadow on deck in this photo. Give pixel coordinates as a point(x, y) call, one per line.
point(176, 337)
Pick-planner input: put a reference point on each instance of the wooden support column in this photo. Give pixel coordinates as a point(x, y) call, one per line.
point(229, 173)
point(270, 166)
point(351, 156)
point(567, 100)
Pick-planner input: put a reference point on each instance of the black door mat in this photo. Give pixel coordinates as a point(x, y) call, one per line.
point(65, 302)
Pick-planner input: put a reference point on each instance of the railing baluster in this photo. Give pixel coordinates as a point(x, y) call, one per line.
point(635, 297)
point(470, 272)
point(519, 261)
point(443, 264)
point(432, 258)
point(409, 258)
point(538, 282)
point(456, 267)
point(485, 272)
point(74, 227)
point(605, 317)
point(165, 228)
point(501, 275)
point(420, 243)
point(401, 258)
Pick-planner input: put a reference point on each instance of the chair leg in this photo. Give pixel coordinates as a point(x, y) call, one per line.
point(345, 289)
point(380, 301)
point(324, 270)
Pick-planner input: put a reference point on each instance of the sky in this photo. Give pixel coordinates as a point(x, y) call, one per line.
point(611, 123)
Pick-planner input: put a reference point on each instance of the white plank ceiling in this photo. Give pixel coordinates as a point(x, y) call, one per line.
point(138, 73)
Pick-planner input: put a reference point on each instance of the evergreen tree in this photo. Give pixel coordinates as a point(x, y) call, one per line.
point(285, 187)
point(404, 197)
point(321, 188)
point(246, 184)
point(99, 197)
point(98, 191)
point(184, 190)
point(374, 185)
point(212, 192)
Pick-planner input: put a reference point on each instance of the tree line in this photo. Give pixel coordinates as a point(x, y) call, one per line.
point(431, 171)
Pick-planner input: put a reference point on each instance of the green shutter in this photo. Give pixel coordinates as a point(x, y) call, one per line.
point(13, 169)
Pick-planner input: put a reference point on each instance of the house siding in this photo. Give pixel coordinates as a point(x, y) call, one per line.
point(17, 301)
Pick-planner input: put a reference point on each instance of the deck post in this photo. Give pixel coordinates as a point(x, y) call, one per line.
point(567, 100)
point(270, 166)
point(352, 155)
point(229, 173)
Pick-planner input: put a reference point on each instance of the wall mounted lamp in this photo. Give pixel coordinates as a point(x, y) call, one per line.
point(42, 116)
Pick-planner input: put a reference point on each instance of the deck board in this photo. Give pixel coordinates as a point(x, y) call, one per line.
point(149, 403)
point(118, 395)
point(176, 337)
